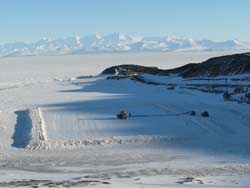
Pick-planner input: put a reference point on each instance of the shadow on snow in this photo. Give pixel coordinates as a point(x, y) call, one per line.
point(21, 136)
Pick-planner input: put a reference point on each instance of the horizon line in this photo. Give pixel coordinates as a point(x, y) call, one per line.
point(52, 38)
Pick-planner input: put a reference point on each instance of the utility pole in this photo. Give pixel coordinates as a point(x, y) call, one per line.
point(226, 85)
point(213, 85)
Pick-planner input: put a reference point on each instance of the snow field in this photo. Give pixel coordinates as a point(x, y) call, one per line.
point(69, 131)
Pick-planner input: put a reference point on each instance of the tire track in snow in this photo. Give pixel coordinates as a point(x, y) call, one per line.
point(38, 136)
point(167, 109)
point(210, 125)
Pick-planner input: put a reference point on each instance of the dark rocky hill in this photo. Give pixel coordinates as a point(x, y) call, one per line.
point(133, 68)
point(218, 66)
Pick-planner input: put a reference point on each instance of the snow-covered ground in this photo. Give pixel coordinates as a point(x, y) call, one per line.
point(57, 129)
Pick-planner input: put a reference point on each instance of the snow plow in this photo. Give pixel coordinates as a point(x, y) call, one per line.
point(122, 115)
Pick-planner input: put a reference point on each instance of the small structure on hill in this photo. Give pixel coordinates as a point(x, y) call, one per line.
point(226, 96)
point(239, 90)
point(171, 87)
point(125, 72)
point(247, 96)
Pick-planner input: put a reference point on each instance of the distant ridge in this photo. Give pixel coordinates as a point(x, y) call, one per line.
point(116, 43)
point(218, 66)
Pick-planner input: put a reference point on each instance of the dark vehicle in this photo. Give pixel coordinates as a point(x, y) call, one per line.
point(122, 115)
point(205, 114)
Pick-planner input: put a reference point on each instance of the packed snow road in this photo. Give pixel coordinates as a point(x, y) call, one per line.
point(58, 130)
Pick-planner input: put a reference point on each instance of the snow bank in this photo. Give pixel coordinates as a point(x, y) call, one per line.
point(38, 132)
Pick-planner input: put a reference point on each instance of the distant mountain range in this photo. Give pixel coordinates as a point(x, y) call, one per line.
point(116, 43)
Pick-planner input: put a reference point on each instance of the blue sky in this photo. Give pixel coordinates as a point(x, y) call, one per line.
point(29, 20)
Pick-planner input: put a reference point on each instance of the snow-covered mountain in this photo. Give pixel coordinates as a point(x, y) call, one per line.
point(114, 43)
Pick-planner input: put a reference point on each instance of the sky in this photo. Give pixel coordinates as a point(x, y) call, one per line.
point(30, 20)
